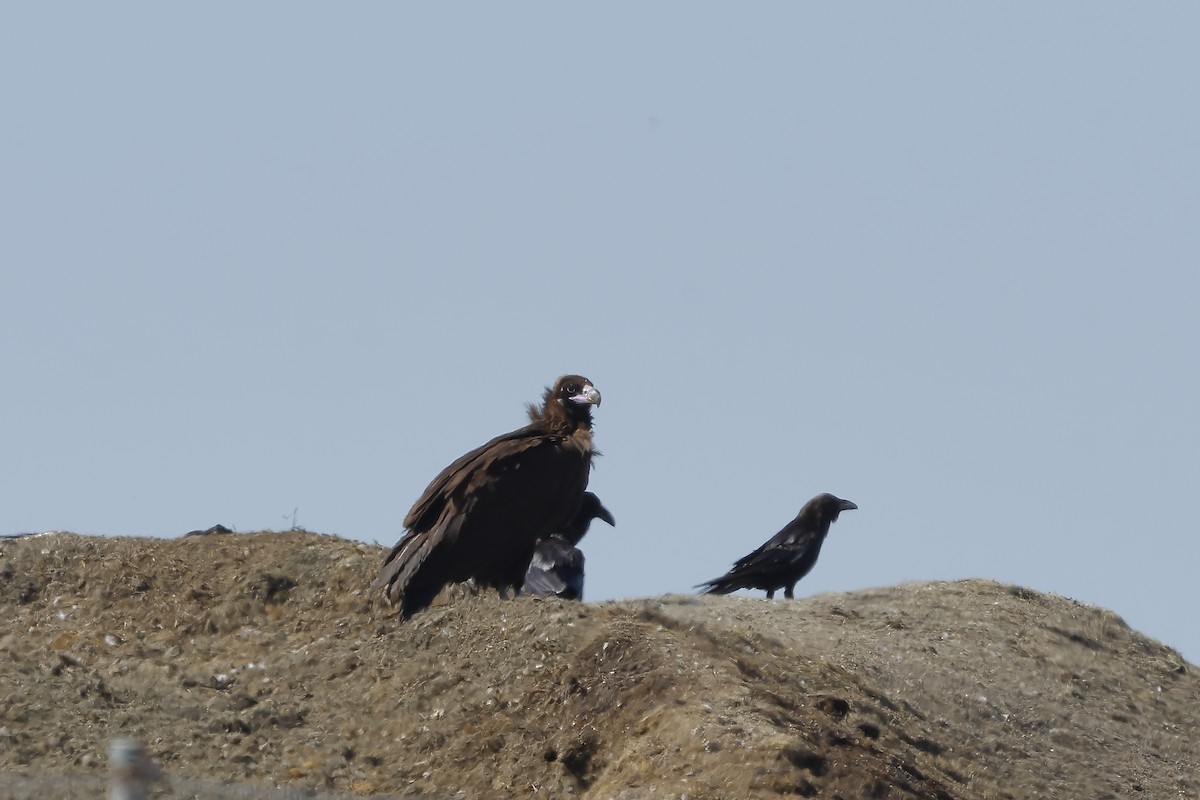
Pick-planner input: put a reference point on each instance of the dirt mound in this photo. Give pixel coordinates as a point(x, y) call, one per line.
point(262, 659)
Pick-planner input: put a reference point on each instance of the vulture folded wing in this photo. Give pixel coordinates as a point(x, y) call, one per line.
point(432, 502)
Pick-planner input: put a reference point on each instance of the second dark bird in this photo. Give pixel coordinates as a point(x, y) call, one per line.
point(788, 555)
point(557, 566)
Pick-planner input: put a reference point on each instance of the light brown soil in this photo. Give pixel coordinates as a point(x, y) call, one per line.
point(262, 659)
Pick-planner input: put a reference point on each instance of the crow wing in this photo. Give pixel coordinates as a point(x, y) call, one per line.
point(556, 569)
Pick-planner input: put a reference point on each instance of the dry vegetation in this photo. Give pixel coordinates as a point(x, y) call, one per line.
point(261, 659)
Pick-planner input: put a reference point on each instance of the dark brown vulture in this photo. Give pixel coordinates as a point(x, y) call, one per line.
point(482, 516)
point(788, 555)
point(557, 566)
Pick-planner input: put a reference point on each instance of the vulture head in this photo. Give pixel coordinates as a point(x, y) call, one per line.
point(571, 397)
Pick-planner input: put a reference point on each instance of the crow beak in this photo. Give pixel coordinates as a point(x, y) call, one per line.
point(846, 505)
point(604, 514)
point(587, 396)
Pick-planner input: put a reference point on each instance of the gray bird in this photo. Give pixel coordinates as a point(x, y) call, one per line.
point(557, 566)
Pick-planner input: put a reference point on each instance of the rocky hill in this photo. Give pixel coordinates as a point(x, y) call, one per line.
point(262, 660)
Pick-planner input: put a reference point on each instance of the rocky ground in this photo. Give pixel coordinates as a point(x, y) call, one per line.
point(262, 661)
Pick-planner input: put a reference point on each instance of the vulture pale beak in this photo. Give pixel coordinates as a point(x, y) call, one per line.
point(587, 396)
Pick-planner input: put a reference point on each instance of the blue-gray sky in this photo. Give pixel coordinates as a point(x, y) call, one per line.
point(940, 259)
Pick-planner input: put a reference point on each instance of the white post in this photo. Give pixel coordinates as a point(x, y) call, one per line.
point(131, 771)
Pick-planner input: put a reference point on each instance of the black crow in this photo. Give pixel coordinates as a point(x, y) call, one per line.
point(557, 565)
point(482, 516)
point(214, 530)
point(788, 555)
